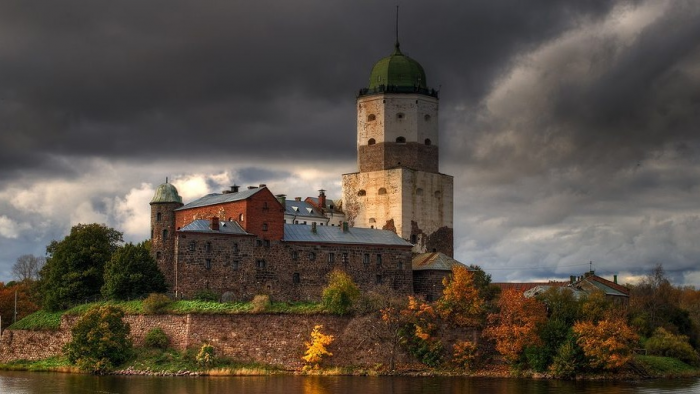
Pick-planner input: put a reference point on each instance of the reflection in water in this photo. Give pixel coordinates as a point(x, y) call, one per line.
point(49, 383)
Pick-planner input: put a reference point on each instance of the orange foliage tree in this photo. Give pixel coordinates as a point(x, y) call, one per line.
point(25, 306)
point(516, 323)
point(316, 349)
point(460, 303)
point(608, 343)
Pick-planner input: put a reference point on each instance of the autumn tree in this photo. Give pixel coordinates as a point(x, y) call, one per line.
point(74, 269)
point(20, 291)
point(340, 294)
point(27, 267)
point(461, 303)
point(132, 272)
point(316, 348)
point(516, 323)
point(607, 344)
point(418, 335)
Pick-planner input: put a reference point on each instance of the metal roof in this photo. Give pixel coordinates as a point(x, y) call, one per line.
point(303, 208)
point(433, 261)
point(204, 226)
point(166, 193)
point(336, 235)
point(220, 198)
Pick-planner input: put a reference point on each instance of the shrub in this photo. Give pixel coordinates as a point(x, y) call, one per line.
point(205, 357)
point(465, 354)
point(206, 295)
point(566, 362)
point(261, 303)
point(340, 294)
point(100, 340)
point(156, 303)
point(664, 343)
point(156, 338)
point(316, 349)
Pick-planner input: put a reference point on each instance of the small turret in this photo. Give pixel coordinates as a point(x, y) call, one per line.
point(163, 205)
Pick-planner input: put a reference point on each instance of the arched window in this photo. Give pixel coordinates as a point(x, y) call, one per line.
point(427, 141)
point(371, 141)
point(401, 140)
point(427, 118)
point(362, 193)
point(159, 216)
point(371, 117)
point(381, 191)
point(240, 217)
point(372, 220)
point(165, 234)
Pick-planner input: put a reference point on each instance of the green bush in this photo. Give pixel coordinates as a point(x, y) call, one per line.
point(100, 340)
point(156, 303)
point(340, 294)
point(664, 343)
point(566, 362)
point(206, 295)
point(205, 357)
point(156, 338)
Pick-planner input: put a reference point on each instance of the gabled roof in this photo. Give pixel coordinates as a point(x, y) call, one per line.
point(593, 282)
point(435, 261)
point(204, 226)
point(525, 286)
point(336, 235)
point(220, 198)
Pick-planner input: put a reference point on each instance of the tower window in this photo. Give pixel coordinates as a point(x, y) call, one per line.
point(159, 216)
point(371, 141)
point(165, 234)
point(401, 140)
point(427, 118)
point(371, 117)
point(372, 220)
point(427, 141)
point(362, 193)
point(381, 191)
point(400, 115)
point(414, 238)
point(158, 255)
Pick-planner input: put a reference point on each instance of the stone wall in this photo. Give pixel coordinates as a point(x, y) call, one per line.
point(264, 338)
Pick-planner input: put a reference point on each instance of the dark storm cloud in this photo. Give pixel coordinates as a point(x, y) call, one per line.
point(174, 78)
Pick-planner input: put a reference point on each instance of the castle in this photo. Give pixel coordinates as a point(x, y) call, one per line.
point(395, 229)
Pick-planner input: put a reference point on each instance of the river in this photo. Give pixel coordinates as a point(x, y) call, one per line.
point(48, 383)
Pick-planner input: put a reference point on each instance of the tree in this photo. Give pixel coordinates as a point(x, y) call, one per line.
point(27, 267)
point(100, 340)
point(460, 303)
point(607, 344)
point(515, 325)
point(25, 305)
point(132, 273)
point(316, 349)
point(340, 294)
point(75, 267)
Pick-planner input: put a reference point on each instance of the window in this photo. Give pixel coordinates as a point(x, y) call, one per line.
point(400, 115)
point(192, 246)
point(371, 141)
point(260, 264)
point(240, 217)
point(400, 266)
point(312, 256)
point(264, 227)
point(365, 259)
point(378, 279)
point(158, 255)
point(345, 258)
point(331, 257)
point(267, 243)
point(382, 191)
point(427, 118)
point(235, 248)
point(165, 234)
point(207, 264)
point(208, 247)
point(379, 259)
point(371, 117)
point(362, 193)
point(438, 194)
point(295, 255)
point(296, 278)
point(258, 242)
point(414, 238)
point(235, 265)
point(401, 140)
point(265, 207)
point(159, 216)
point(427, 141)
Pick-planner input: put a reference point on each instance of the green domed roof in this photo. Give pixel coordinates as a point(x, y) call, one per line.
point(166, 193)
point(397, 70)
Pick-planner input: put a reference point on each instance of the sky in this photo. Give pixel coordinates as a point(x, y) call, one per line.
point(572, 128)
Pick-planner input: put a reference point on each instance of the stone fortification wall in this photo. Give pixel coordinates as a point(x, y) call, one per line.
point(271, 339)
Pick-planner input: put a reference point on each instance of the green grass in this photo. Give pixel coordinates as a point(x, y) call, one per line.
point(58, 363)
point(43, 320)
point(172, 361)
point(666, 366)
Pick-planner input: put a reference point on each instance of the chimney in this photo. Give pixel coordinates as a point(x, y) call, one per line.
point(282, 198)
point(215, 223)
point(262, 185)
point(234, 188)
point(322, 198)
point(615, 278)
point(345, 227)
point(313, 227)
point(252, 187)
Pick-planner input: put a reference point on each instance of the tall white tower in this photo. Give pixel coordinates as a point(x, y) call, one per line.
point(398, 186)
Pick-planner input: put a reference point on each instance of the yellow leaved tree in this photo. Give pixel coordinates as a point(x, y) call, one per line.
point(316, 348)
